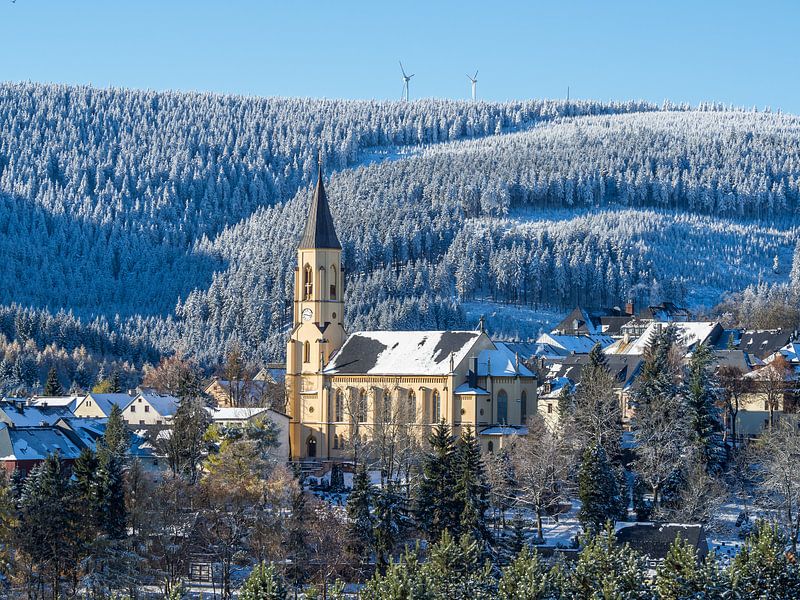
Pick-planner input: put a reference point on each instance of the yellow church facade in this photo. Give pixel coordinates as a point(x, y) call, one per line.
point(345, 390)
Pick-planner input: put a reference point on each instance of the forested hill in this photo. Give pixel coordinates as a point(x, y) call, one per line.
point(180, 212)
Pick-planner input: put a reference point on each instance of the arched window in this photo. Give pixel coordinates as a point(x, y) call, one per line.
point(436, 407)
point(523, 408)
point(321, 280)
point(502, 407)
point(338, 408)
point(333, 282)
point(361, 409)
point(412, 406)
point(306, 352)
point(308, 282)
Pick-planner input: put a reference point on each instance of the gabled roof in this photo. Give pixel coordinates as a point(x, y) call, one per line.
point(319, 231)
point(87, 431)
point(765, 342)
point(550, 344)
point(654, 540)
point(17, 415)
point(164, 404)
point(69, 402)
point(689, 334)
point(402, 352)
point(106, 401)
point(35, 443)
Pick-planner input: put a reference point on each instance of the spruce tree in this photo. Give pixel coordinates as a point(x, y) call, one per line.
point(263, 583)
point(598, 491)
point(763, 568)
point(53, 387)
point(388, 523)
point(471, 487)
point(116, 435)
point(402, 580)
point(682, 575)
point(111, 489)
point(115, 386)
point(527, 578)
point(359, 514)
point(516, 542)
point(435, 507)
point(455, 569)
point(701, 399)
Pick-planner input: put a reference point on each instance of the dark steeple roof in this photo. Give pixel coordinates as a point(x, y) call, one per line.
point(319, 232)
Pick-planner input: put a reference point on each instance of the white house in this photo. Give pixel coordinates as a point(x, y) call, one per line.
point(150, 408)
point(100, 405)
point(241, 417)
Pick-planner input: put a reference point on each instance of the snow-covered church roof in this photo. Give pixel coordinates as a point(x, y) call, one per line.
point(402, 352)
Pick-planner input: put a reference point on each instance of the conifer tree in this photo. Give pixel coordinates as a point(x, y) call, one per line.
point(471, 487)
point(435, 507)
point(388, 523)
point(402, 580)
point(597, 414)
point(111, 490)
point(516, 542)
point(359, 514)
point(297, 543)
point(598, 491)
point(527, 578)
point(455, 569)
point(115, 386)
point(263, 583)
point(53, 387)
point(682, 575)
point(701, 399)
point(763, 568)
point(115, 437)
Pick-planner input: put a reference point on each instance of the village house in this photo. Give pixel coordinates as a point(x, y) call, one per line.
point(240, 418)
point(100, 405)
point(150, 408)
point(23, 448)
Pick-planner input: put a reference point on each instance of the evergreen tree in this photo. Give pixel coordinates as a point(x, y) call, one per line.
point(53, 387)
point(402, 580)
point(527, 578)
point(471, 487)
point(359, 507)
point(763, 568)
point(455, 570)
point(598, 491)
point(297, 543)
point(436, 509)
point(115, 386)
point(606, 569)
point(111, 489)
point(388, 523)
point(263, 583)
point(682, 575)
point(186, 446)
point(116, 437)
point(516, 542)
point(701, 399)
point(794, 274)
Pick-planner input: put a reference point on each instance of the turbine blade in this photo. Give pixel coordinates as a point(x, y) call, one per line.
point(401, 68)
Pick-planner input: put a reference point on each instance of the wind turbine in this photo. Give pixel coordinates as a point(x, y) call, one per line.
point(474, 80)
point(406, 79)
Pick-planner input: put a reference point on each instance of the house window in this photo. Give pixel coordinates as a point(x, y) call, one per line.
point(766, 405)
point(308, 282)
point(146, 408)
point(338, 408)
point(141, 422)
point(159, 422)
point(549, 409)
point(333, 282)
point(436, 406)
point(133, 409)
point(502, 407)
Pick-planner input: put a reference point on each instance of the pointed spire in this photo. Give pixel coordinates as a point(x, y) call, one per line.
point(319, 231)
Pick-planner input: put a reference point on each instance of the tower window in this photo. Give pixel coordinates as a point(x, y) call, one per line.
point(333, 282)
point(306, 352)
point(308, 282)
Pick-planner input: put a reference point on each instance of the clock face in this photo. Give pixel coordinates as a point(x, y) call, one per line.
point(307, 314)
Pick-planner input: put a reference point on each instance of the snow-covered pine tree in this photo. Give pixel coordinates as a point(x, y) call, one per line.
point(263, 583)
point(684, 575)
point(598, 490)
point(436, 509)
point(701, 402)
point(471, 487)
point(359, 514)
point(53, 387)
point(763, 568)
point(528, 577)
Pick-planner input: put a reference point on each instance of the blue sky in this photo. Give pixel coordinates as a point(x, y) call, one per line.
point(743, 53)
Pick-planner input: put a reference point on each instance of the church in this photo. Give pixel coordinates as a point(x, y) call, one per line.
point(339, 385)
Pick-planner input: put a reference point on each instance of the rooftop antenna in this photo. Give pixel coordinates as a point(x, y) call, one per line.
point(406, 79)
point(474, 80)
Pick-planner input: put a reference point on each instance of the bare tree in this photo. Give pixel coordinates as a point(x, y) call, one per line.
point(773, 382)
point(777, 461)
point(734, 385)
point(541, 467)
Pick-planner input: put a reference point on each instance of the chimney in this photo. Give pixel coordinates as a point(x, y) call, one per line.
point(630, 306)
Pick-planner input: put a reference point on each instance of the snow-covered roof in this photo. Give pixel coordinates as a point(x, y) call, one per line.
point(18, 415)
point(35, 443)
point(69, 402)
point(466, 389)
point(791, 352)
point(500, 430)
point(501, 362)
point(164, 404)
point(106, 401)
point(563, 345)
point(236, 414)
point(689, 334)
point(402, 352)
point(87, 430)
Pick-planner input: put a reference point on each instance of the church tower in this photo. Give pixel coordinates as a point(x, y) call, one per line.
point(317, 329)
